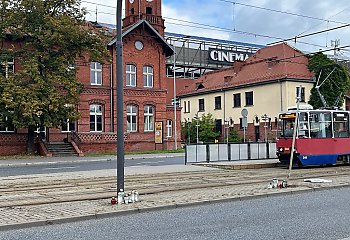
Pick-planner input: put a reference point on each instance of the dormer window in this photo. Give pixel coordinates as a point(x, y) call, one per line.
point(200, 86)
point(148, 10)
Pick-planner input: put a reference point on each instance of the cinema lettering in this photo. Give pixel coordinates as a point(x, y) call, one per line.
point(226, 57)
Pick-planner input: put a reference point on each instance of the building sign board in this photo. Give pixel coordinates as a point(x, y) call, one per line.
point(226, 57)
point(158, 136)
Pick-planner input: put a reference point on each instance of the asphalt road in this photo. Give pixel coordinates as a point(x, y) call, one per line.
point(108, 163)
point(313, 215)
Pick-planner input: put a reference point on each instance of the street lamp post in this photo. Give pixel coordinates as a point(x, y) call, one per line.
point(188, 131)
point(175, 102)
point(197, 126)
point(265, 118)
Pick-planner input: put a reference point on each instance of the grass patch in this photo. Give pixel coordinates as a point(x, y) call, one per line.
point(22, 156)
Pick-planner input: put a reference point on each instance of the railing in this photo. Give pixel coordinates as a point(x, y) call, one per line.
point(149, 18)
point(13, 138)
point(229, 152)
point(93, 137)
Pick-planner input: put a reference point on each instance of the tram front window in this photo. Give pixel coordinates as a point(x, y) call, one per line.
point(320, 125)
point(288, 127)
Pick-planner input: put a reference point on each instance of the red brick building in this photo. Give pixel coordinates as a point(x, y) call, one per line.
point(149, 120)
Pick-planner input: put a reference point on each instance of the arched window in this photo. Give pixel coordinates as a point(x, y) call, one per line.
point(96, 122)
point(148, 76)
point(131, 118)
point(149, 118)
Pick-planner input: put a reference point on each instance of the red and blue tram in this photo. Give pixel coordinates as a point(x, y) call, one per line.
point(322, 137)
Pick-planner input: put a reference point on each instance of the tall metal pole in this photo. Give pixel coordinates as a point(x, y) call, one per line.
point(197, 125)
point(296, 126)
point(175, 102)
point(120, 100)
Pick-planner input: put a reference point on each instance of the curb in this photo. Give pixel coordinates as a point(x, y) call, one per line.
point(238, 166)
point(164, 207)
point(111, 158)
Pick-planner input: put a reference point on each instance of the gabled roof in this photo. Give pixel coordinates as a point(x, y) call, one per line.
point(272, 63)
point(168, 49)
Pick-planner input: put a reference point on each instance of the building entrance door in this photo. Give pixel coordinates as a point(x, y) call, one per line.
point(257, 133)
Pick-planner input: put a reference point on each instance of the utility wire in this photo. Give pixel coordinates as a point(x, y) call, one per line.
point(206, 26)
point(283, 12)
point(314, 33)
point(328, 20)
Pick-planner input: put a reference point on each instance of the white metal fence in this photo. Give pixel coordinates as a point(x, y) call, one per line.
point(229, 152)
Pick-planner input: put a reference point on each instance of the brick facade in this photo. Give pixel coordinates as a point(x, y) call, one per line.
point(153, 54)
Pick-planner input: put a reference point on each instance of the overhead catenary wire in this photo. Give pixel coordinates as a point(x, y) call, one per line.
point(311, 34)
point(216, 28)
point(282, 12)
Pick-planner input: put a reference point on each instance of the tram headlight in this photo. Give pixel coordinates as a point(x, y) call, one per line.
point(281, 149)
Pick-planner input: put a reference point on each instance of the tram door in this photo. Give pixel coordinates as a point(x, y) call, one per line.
point(257, 133)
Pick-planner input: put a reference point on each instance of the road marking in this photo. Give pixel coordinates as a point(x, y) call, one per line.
point(57, 168)
point(150, 162)
point(345, 238)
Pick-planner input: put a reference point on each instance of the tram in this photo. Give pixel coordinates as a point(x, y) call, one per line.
point(322, 136)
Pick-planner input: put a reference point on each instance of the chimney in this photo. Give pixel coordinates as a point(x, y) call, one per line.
point(237, 66)
point(227, 79)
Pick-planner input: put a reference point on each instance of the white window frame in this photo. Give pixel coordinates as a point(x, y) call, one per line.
point(69, 125)
point(7, 128)
point(149, 118)
point(9, 67)
point(131, 118)
point(148, 76)
point(130, 75)
point(96, 111)
point(95, 73)
point(169, 128)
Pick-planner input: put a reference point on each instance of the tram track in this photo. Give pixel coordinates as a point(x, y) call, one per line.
point(39, 192)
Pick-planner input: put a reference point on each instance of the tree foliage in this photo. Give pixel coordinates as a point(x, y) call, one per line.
point(338, 82)
point(234, 136)
point(49, 37)
point(206, 129)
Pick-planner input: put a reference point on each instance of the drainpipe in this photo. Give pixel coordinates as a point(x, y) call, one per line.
point(111, 99)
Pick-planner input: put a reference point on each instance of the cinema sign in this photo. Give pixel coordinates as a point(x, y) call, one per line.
point(226, 57)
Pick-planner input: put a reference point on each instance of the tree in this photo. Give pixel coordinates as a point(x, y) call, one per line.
point(337, 83)
point(206, 126)
point(234, 136)
point(53, 36)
